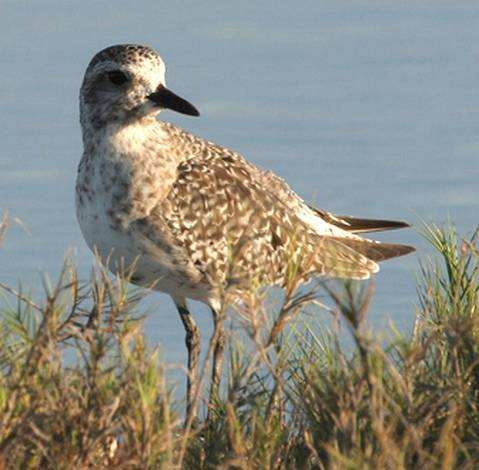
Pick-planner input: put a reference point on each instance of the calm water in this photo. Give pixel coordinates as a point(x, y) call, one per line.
point(365, 108)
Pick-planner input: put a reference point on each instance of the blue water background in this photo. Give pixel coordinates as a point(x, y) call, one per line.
point(367, 108)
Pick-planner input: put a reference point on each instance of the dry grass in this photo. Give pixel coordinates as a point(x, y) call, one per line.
point(80, 389)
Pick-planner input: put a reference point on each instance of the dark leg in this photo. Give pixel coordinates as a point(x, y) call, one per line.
point(193, 344)
point(218, 353)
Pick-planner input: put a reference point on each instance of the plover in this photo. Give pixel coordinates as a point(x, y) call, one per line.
point(196, 219)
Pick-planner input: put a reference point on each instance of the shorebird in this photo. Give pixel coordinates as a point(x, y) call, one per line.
point(192, 218)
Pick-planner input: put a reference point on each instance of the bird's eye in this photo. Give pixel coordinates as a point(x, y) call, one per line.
point(117, 78)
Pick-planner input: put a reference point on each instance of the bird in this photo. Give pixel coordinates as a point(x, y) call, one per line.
point(192, 218)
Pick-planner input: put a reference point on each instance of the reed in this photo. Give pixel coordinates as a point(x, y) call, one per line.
point(80, 387)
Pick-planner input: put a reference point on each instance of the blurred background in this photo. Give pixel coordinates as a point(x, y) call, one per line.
point(367, 108)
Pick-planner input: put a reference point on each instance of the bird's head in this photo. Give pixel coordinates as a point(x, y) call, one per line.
point(126, 82)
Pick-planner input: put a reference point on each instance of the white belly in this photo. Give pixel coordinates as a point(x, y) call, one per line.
point(120, 250)
point(99, 234)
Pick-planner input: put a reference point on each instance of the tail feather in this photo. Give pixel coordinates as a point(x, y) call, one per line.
point(334, 257)
point(376, 251)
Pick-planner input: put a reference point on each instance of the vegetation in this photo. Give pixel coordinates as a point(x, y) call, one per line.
point(80, 388)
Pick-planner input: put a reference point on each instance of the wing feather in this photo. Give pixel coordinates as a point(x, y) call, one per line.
point(233, 227)
point(357, 225)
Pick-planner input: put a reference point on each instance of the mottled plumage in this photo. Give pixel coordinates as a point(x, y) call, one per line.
point(195, 219)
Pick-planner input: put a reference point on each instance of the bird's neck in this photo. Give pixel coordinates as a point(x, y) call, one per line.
point(123, 137)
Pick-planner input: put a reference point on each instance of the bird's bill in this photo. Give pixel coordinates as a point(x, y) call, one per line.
point(165, 98)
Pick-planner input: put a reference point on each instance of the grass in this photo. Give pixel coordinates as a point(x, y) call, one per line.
point(293, 398)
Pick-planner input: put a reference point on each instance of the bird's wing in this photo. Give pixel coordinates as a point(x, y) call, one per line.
point(235, 229)
point(357, 225)
point(343, 222)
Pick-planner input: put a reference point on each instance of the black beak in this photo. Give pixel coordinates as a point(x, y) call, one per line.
point(167, 99)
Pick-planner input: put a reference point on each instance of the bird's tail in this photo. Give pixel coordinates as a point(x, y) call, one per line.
point(376, 251)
